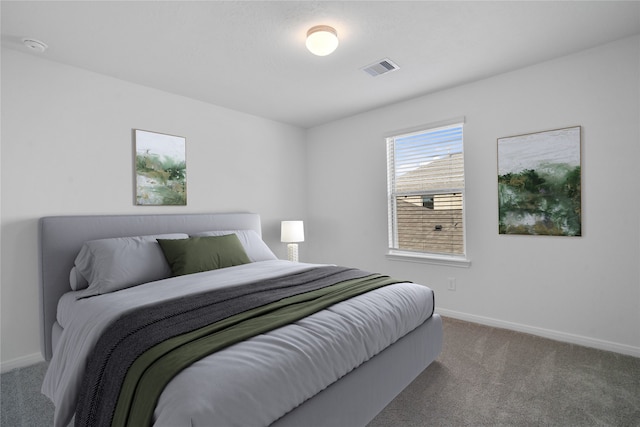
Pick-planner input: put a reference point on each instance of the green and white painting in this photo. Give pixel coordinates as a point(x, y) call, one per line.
point(539, 183)
point(161, 169)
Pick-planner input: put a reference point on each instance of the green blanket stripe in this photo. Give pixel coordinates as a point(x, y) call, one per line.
point(153, 370)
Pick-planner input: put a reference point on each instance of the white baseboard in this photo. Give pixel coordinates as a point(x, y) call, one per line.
point(545, 333)
point(20, 362)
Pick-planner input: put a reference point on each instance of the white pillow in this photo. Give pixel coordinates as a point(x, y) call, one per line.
point(112, 264)
point(254, 246)
point(77, 280)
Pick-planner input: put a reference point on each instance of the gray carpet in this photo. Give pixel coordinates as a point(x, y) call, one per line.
point(484, 377)
point(21, 401)
point(494, 377)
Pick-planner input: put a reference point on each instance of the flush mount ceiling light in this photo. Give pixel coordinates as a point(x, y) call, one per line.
point(322, 40)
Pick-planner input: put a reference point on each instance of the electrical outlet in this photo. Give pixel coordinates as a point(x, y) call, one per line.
point(451, 285)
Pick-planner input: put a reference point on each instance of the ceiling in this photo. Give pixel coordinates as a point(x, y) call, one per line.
point(250, 56)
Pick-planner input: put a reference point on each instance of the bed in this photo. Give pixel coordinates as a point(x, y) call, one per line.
point(321, 393)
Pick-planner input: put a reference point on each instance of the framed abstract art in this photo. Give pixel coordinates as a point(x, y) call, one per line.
point(161, 169)
point(539, 183)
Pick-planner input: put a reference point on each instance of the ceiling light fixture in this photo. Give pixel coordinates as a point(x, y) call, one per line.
point(322, 40)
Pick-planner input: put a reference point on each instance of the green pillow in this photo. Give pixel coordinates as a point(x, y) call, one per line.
point(196, 254)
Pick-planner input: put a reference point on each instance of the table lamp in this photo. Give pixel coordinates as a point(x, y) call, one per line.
point(292, 232)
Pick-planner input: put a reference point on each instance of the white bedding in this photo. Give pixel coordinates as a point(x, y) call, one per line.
point(254, 382)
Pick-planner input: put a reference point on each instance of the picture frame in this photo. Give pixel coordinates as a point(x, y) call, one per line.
point(160, 169)
point(540, 183)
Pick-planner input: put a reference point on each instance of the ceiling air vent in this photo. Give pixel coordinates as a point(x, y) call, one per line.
point(380, 67)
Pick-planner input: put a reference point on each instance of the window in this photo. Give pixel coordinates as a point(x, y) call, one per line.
point(426, 193)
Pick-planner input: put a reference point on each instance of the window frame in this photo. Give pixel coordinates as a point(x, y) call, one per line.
point(396, 254)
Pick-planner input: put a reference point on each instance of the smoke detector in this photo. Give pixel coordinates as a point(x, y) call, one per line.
point(35, 45)
point(380, 67)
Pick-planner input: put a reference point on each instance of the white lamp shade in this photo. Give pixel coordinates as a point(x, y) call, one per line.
point(322, 40)
point(292, 231)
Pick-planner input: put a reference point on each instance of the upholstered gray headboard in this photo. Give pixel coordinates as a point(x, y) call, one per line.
point(61, 237)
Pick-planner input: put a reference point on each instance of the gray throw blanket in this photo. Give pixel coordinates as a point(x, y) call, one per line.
point(134, 333)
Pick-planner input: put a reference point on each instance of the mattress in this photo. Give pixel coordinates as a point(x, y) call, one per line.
point(272, 373)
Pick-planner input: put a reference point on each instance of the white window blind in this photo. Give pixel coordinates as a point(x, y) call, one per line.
point(426, 191)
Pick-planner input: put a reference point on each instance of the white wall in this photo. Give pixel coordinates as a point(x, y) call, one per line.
point(585, 289)
point(67, 149)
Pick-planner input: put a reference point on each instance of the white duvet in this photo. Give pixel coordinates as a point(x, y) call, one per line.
point(252, 383)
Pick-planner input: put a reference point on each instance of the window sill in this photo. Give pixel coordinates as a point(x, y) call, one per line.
point(448, 260)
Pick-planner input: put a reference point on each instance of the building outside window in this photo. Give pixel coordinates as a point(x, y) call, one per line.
point(426, 192)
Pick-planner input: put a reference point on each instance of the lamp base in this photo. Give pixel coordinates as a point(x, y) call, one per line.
point(292, 252)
